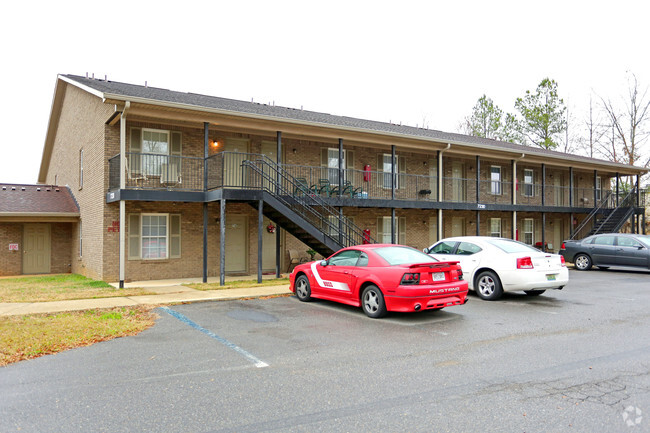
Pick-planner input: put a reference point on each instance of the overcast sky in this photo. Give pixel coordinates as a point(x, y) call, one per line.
point(415, 62)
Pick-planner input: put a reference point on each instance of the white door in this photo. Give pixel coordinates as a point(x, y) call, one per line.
point(458, 181)
point(236, 244)
point(558, 234)
point(458, 226)
point(270, 150)
point(36, 249)
point(237, 150)
point(433, 179)
point(268, 246)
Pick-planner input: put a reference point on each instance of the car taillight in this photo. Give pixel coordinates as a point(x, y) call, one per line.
point(524, 263)
point(563, 247)
point(562, 260)
point(459, 272)
point(409, 279)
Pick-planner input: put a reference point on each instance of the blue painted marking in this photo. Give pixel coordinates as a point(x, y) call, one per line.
point(258, 363)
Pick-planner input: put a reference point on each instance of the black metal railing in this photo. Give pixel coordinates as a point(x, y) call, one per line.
point(587, 224)
point(153, 171)
point(263, 173)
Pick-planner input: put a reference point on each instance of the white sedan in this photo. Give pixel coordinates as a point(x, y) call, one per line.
point(495, 265)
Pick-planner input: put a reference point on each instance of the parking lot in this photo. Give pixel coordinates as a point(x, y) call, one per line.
point(573, 360)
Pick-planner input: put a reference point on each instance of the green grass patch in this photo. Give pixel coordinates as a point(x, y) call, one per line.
point(239, 284)
point(60, 287)
point(25, 337)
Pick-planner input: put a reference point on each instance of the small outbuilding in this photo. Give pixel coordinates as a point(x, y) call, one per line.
point(39, 226)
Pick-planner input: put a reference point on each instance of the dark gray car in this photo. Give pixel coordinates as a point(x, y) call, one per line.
point(610, 249)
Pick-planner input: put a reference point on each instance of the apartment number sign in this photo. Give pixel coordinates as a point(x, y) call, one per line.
point(13, 247)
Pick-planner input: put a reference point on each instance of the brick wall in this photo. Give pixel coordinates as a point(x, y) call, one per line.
point(81, 126)
point(10, 261)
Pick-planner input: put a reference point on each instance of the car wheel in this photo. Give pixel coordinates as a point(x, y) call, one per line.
point(488, 286)
point(303, 290)
point(582, 262)
point(372, 302)
point(534, 292)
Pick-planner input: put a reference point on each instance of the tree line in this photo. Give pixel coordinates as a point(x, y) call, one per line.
point(616, 130)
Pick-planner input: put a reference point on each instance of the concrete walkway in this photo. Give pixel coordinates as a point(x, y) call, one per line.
point(166, 292)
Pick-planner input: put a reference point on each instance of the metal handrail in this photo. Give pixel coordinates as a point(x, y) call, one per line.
point(306, 202)
point(592, 214)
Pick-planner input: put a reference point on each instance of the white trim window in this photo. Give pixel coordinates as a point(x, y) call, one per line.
point(495, 227)
point(156, 152)
point(495, 180)
point(387, 170)
point(384, 230)
point(529, 190)
point(333, 165)
point(154, 236)
point(529, 234)
point(599, 189)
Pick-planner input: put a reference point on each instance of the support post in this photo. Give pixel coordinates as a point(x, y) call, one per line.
point(595, 188)
point(392, 173)
point(617, 188)
point(206, 144)
point(393, 235)
point(222, 242)
point(478, 183)
point(122, 246)
point(260, 240)
point(543, 231)
point(440, 231)
point(478, 223)
point(439, 178)
point(514, 225)
point(571, 191)
point(543, 184)
point(278, 253)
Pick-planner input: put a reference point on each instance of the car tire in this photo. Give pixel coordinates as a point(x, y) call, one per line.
point(488, 286)
point(372, 302)
point(534, 292)
point(303, 289)
point(582, 262)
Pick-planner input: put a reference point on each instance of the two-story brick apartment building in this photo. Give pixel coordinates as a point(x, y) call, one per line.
point(173, 185)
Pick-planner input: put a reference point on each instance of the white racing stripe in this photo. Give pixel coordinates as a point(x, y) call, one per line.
point(326, 283)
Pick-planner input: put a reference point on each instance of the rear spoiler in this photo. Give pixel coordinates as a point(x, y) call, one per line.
point(432, 265)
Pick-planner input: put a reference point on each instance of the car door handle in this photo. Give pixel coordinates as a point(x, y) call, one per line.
point(346, 272)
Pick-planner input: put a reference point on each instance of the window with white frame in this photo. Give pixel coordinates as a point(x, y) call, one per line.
point(386, 168)
point(155, 152)
point(333, 228)
point(495, 227)
point(333, 165)
point(154, 236)
point(529, 231)
point(384, 230)
point(495, 180)
point(529, 191)
point(598, 188)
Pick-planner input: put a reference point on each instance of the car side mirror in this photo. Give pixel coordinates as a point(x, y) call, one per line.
point(323, 263)
point(425, 250)
point(640, 247)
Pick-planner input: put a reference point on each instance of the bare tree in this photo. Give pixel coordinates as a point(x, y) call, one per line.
point(630, 128)
point(595, 130)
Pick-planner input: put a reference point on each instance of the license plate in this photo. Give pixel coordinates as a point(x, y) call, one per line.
point(438, 276)
point(550, 277)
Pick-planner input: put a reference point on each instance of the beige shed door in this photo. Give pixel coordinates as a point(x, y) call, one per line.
point(236, 244)
point(268, 247)
point(36, 249)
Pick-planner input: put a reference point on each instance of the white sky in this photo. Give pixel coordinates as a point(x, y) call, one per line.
point(406, 61)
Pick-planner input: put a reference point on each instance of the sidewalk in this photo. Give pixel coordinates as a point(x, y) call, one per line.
point(166, 292)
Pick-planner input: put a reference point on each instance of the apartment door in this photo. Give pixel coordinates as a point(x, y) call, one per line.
point(236, 244)
point(559, 191)
point(433, 178)
point(458, 181)
point(236, 152)
point(558, 234)
point(270, 150)
point(458, 226)
point(36, 249)
point(268, 247)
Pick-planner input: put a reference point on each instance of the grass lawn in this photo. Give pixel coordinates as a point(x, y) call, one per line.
point(60, 287)
point(239, 284)
point(25, 337)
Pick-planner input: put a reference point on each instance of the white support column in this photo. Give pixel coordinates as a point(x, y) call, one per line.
point(122, 186)
point(439, 224)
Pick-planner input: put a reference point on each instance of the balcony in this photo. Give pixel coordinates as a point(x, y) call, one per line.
point(226, 170)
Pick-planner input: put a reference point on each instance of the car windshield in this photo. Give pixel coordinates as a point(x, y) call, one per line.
point(403, 255)
point(510, 246)
point(645, 239)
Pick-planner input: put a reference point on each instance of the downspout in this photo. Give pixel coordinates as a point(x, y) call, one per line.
point(440, 192)
point(514, 195)
point(127, 105)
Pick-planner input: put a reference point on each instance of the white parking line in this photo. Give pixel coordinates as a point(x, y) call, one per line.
point(258, 363)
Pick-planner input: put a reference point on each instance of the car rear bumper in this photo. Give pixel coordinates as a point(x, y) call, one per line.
point(533, 279)
point(405, 302)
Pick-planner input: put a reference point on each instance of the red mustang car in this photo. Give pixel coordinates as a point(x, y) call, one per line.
point(381, 278)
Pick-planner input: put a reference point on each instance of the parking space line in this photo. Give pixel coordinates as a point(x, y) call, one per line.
point(258, 363)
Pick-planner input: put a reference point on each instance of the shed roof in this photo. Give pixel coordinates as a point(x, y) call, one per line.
point(35, 200)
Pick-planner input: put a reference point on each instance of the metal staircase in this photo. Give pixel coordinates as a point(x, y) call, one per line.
point(611, 220)
point(302, 212)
